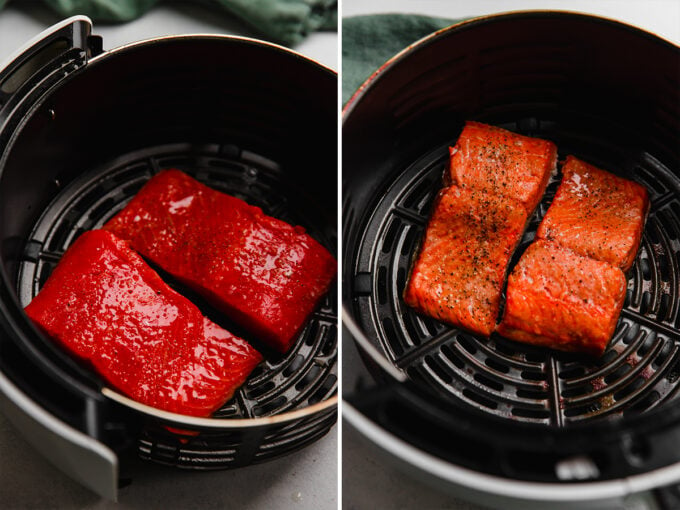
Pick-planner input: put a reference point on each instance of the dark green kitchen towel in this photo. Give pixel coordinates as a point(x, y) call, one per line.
point(369, 41)
point(283, 21)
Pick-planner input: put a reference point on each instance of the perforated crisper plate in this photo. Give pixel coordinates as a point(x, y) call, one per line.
point(307, 374)
point(639, 369)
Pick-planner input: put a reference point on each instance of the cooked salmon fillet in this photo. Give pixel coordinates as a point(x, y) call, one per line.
point(105, 305)
point(557, 298)
point(263, 273)
point(597, 214)
point(500, 162)
point(458, 274)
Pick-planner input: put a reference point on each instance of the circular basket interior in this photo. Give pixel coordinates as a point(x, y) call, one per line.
point(640, 366)
point(303, 376)
point(246, 118)
point(527, 73)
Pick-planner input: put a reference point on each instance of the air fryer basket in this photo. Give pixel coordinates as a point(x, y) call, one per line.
point(84, 133)
point(603, 91)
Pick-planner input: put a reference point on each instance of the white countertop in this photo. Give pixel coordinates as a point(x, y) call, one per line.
point(306, 480)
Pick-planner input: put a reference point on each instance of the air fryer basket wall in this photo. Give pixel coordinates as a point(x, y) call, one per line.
point(246, 117)
point(601, 90)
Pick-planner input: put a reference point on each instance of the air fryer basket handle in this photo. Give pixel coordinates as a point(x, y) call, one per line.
point(58, 45)
point(76, 454)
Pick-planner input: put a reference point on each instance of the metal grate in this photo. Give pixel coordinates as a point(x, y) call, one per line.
point(307, 374)
point(235, 448)
point(638, 371)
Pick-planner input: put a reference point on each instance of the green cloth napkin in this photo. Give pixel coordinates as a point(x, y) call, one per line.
point(369, 41)
point(284, 21)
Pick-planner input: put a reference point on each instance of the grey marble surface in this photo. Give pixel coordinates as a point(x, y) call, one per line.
point(370, 483)
point(306, 480)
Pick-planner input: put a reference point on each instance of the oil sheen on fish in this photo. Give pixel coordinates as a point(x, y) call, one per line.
point(263, 273)
point(597, 214)
point(458, 274)
point(559, 299)
point(106, 306)
point(500, 162)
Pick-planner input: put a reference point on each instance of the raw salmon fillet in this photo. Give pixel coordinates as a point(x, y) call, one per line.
point(557, 298)
point(261, 272)
point(106, 306)
point(597, 214)
point(458, 274)
point(500, 162)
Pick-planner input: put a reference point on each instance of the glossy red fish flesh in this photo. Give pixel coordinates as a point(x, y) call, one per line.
point(458, 274)
point(597, 214)
point(557, 298)
point(499, 162)
point(104, 304)
point(261, 272)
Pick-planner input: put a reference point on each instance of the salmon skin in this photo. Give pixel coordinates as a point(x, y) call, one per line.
point(458, 274)
point(597, 214)
point(499, 162)
point(105, 305)
point(559, 299)
point(261, 272)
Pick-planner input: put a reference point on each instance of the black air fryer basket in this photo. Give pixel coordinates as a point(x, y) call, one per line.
point(81, 131)
point(499, 417)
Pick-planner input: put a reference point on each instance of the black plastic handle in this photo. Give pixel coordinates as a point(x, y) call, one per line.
point(68, 41)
